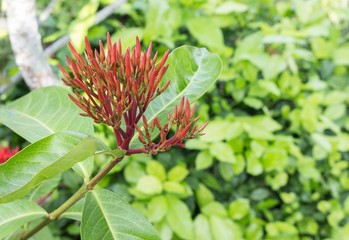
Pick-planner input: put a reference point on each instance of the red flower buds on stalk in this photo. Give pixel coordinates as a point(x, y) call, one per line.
point(6, 153)
point(115, 89)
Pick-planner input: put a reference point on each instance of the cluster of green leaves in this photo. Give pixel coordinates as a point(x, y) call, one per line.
point(274, 161)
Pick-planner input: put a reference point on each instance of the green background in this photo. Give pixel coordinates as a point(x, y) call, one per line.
point(274, 161)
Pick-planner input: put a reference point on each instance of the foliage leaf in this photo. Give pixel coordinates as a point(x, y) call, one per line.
point(47, 110)
point(179, 218)
point(106, 216)
point(43, 160)
point(17, 213)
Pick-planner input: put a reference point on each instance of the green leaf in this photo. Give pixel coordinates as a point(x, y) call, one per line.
point(283, 230)
point(204, 195)
point(224, 229)
point(219, 130)
point(157, 209)
point(156, 169)
point(203, 160)
point(180, 189)
point(179, 218)
point(178, 173)
point(79, 27)
point(45, 188)
point(149, 185)
point(230, 7)
point(202, 228)
point(207, 33)
point(165, 230)
point(42, 160)
point(17, 213)
point(162, 19)
point(277, 181)
point(321, 48)
point(127, 36)
point(46, 111)
point(133, 172)
point(192, 72)
point(274, 159)
point(239, 208)
point(340, 55)
point(223, 152)
point(107, 216)
point(214, 208)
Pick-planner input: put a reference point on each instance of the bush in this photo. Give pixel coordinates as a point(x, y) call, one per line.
point(274, 161)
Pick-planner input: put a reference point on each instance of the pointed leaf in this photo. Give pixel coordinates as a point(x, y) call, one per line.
point(15, 214)
point(43, 112)
point(179, 218)
point(106, 216)
point(192, 72)
point(42, 160)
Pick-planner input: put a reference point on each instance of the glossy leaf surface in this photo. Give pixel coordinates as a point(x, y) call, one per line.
point(42, 160)
point(46, 111)
point(106, 216)
point(15, 214)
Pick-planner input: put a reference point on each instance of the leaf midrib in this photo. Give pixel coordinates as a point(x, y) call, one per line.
point(31, 117)
point(9, 220)
point(104, 213)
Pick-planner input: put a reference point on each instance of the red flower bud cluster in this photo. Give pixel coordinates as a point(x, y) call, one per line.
point(115, 89)
point(181, 119)
point(6, 153)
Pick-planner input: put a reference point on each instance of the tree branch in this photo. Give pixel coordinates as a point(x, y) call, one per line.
point(100, 16)
point(26, 44)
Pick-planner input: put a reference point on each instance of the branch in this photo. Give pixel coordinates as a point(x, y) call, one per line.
point(100, 16)
point(48, 10)
point(26, 44)
point(73, 199)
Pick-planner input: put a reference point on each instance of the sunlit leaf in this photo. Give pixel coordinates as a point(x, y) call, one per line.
point(106, 216)
point(42, 160)
point(46, 111)
point(17, 213)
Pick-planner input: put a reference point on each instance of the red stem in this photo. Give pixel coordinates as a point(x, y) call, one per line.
point(118, 137)
point(136, 151)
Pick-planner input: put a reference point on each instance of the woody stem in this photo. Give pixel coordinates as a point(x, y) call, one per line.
point(73, 199)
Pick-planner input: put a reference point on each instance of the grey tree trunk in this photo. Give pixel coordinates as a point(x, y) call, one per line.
point(26, 44)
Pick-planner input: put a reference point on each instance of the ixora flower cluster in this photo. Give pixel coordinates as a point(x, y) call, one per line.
point(115, 89)
point(6, 153)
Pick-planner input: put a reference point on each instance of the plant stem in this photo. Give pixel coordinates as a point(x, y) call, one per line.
point(73, 199)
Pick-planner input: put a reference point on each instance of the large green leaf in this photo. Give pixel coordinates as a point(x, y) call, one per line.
point(43, 160)
point(192, 72)
point(43, 112)
point(179, 218)
point(207, 33)
point(15, 214)
point(106, 216)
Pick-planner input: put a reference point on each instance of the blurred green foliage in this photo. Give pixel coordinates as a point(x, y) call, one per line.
point(275, 158)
